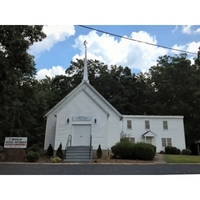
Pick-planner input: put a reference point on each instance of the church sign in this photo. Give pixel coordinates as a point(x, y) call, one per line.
point(15, 142)
point(81, 118)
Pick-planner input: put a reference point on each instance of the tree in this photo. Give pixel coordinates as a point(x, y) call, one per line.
point(59, 152)
point(17, 71)
point(175, 83)
point(99, 152)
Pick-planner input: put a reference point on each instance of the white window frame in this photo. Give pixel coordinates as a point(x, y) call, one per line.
point(131, 139)
point(165, 125)
point(147, 124)
point(166, 142)
point(129, 124)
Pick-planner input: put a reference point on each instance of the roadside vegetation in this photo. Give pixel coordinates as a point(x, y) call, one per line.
point(181, 158)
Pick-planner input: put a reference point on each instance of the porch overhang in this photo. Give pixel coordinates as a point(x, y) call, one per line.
point(149, 134)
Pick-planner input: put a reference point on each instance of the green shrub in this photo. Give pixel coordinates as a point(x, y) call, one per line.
point(123, 150)
point(178, 151)
point(50, 150)
point(186, 152)
point(34, 148)
point(154, 147)
point(143, 151)
point(99, 152)
point(124, 139)
point(56, 159)
point(59, 152)
point(172, 150)
point(32, 156)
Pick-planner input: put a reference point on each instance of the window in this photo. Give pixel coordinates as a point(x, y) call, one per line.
point(169, 142)
point(166, 142)
point(165, 125)
point(129, 124)
point(131, 139)
point(163, 142)
point(147, 125)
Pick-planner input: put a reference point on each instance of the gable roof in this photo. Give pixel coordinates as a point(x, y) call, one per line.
point(75, 91)
point(149, 134)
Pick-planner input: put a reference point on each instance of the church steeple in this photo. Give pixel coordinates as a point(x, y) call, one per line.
point(85, 76)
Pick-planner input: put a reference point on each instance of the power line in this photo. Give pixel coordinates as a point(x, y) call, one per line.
point(188, 52)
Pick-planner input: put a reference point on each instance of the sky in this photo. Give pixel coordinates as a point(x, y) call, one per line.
point(64, 43)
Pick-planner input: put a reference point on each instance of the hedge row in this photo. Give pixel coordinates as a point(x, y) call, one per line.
point(177, 151)
point(127, 150)
point(172, 150)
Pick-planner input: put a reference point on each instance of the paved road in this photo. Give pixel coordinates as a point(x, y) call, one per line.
point(98, 169)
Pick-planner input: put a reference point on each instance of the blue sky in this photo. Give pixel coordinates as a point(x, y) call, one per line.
point(64, 43)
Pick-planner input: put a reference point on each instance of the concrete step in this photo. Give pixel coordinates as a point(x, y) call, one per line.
point(77, 160)
point(77, 154)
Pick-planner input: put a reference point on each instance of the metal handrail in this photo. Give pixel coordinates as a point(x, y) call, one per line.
point(90, 146)
point(69, 141)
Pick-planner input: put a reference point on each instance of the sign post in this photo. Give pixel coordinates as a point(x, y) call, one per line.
point(15, 148)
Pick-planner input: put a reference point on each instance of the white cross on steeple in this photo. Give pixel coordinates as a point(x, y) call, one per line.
point(85, 76)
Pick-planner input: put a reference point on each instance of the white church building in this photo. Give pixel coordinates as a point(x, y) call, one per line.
point(84, 119)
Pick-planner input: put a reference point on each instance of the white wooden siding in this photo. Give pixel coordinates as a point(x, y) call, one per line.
point(82, 105)
point(114, 130)
point(175, 129)
point(50, 131)
point(113, 123)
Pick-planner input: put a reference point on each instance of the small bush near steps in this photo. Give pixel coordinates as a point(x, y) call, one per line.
point(32, 156)
point(56, 159)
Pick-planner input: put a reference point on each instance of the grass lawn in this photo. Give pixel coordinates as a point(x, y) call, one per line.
point(181, 159)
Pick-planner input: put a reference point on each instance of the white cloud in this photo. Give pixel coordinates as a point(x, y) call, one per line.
point(197, 31)
point(135, 55)
point(175, 29)
point(55, 70)
point(187, 29)
point(54, 34)
point(190, 47)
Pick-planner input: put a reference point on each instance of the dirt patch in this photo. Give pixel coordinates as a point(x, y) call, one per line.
point(159, 158)
point(120, 161)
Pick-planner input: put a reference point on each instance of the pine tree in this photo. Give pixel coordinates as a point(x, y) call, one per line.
point(50, 150)
point(59, 151)
point(99, 152)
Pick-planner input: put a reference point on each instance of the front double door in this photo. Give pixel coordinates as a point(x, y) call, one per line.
point(81, 135)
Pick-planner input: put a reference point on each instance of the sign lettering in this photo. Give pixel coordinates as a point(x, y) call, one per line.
point(15, 142)
point(81, 118)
